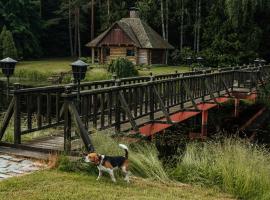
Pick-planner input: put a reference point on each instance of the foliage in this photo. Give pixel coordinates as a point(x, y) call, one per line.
point(2, 35)
point(232, 31)
point(23, 19)
point(122, 67)
point(9, 49)
point(237, 167)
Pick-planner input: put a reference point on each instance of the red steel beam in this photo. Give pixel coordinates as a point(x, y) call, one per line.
point(155, 127)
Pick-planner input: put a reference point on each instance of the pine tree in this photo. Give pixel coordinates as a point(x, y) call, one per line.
point(3, 33)
point(9, 48)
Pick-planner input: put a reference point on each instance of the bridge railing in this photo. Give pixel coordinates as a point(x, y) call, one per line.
point(112, 103)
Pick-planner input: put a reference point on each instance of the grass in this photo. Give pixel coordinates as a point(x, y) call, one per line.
point(235, 166)
point(57, 185)
point(37, 72)
point(143, 157)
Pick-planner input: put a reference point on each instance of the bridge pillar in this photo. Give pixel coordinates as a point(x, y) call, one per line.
point(204, 124)
point(236, 107)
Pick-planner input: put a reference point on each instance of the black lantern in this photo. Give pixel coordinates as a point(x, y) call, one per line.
point(262, 62)
point(8, 67)
point(79, 69)
point(199, 60)
point(189, 61)
point(257, 62)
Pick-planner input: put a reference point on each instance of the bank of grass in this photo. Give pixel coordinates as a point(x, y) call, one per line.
point(37, 72)
point(58, 185)
point(235, 166)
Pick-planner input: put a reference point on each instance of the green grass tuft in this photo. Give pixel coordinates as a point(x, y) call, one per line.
point(144, 159)
point(235, 166)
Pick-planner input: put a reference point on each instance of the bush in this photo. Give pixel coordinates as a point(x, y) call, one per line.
point(8, 46)
point(122, 67)
point(235, 166)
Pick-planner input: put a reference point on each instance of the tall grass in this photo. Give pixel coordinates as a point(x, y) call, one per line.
point(235, 166)
point(143, 158)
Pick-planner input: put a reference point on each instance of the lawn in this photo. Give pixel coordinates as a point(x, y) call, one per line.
point(37, 72)
point(59, 185)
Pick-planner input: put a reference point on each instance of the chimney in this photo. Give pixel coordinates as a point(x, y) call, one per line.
point(133, 12)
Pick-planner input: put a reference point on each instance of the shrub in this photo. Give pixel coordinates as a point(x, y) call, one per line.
point(122, 67)
point(8, 46)
point(235, 166)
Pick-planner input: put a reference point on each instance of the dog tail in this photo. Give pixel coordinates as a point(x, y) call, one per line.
point(122, 146)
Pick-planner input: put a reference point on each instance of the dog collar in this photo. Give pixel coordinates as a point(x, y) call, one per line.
point(102, 159)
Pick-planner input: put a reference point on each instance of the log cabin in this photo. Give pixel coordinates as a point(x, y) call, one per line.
point(130, 38)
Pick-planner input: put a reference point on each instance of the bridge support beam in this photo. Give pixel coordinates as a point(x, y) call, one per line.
point(204, 124)
point(236, 107)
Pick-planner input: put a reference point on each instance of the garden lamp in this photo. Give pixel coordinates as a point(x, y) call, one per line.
point(199, 60)
point(8, 67)
point(189, 61)
point(79, 69)
point(257, 62)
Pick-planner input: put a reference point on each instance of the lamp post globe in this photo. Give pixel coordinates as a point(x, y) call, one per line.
point(263, 62)
point(199, 60)
point(257, 62)
point(189, 61)
point(79, 69)
point(8, 67)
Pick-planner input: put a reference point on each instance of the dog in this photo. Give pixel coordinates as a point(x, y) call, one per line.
point(110, 163)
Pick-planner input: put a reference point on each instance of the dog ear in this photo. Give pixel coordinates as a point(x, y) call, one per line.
point(85, 153)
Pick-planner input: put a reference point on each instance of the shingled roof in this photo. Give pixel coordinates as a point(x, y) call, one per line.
point(139, 32)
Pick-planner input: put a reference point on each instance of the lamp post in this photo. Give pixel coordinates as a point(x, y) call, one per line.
point(257, 62)
point(8, 66)
point(79, 69)
point(199, 60)
point(262, 61)
point(189, 62)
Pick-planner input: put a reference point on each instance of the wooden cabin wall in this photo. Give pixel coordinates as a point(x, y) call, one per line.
point(158, 56)
point(143, 56)
point(116, 37)
point(116, 52)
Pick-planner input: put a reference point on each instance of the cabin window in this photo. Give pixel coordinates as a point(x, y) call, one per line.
point(130, 52)
point(108, 51)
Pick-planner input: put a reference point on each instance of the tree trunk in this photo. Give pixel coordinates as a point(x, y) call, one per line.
point(70, 29)
point(92, 20)
point(108, 8)
point(167, 28)
point(162, 19)
point(167, 20)
point(195, 27)
point(76, 32)
point(79, 34)
point(182, 26)
point(199, 26)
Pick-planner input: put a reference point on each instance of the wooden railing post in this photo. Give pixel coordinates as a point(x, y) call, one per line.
point(233, 78)
point(17, 116)
point(117, 111)
point(204, 88)
point(151, 99)
point(67, 122)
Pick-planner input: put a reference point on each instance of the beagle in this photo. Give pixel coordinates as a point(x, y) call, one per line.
point(110, 163)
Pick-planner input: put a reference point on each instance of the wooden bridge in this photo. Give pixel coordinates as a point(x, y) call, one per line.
point(140, 105)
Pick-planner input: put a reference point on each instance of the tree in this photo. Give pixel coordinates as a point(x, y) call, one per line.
point(2, 35)
point(9, 48)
